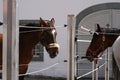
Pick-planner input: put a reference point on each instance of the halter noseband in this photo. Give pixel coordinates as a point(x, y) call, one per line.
point(53, 45)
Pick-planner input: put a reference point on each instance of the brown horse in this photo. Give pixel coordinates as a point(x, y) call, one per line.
point(29, 37)
point(102, 39)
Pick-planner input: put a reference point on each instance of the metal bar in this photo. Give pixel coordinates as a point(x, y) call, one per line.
point(107, 66)
point(10, 41)
point(95, 73)
point(84, 41)
point(71, 47)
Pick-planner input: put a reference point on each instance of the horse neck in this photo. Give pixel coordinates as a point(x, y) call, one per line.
point(30, 39)
point(112, 39)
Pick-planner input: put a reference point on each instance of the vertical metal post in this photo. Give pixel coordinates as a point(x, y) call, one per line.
point(107, 66)
point(71, 47)
point(10, 41)
point(95, 73)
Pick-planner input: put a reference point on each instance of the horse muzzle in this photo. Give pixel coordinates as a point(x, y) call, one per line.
point(89, 56)
point(53, 49)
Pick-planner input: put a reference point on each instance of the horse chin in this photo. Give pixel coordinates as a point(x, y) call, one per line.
point(52, 55)
point(53, 52)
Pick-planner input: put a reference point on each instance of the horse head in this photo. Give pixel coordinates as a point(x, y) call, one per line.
point(48, 37)
point(48, 34)
point(102, 39)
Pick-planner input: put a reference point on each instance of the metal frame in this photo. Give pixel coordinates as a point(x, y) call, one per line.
point(95, 73)
point(107, 68)
point(71, 54)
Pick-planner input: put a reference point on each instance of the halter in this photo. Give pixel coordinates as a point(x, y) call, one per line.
point(53, 45)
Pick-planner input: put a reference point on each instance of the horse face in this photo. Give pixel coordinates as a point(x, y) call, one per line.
point(96, 45)
point(48, 37)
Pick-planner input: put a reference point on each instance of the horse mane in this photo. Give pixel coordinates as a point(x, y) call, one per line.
point(111, 30)
point(33, 24)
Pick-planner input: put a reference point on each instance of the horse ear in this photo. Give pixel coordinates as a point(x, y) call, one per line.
point(52, 22)
point(42, 22)
point(97, 26)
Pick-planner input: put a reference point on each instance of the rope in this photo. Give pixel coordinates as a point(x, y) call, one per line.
point(91, 71)
point(39, 70)
point(43, 28)
point(30, 31)
point(35, 27)
point(39, 27)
